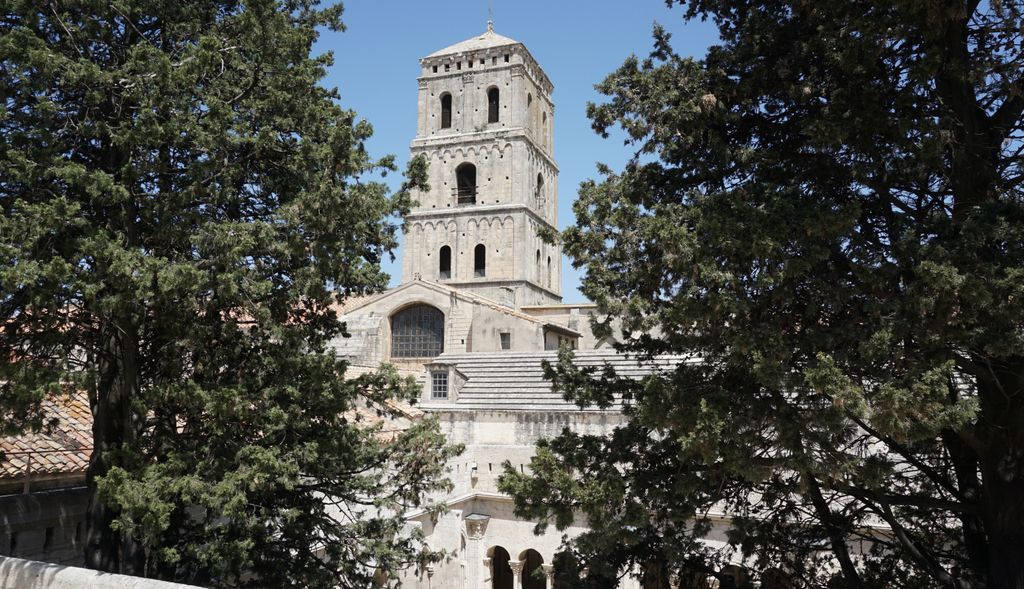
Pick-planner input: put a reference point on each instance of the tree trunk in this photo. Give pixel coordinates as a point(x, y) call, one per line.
point(113, 434)
point(1002, 414)
point(1004, 508)
point(1006, 532)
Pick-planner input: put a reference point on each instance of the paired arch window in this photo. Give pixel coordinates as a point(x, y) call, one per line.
point(417, 332)
point(480, 260)
point(446, 110)
point(465, 180)
point(444, 263)
point(493, 102)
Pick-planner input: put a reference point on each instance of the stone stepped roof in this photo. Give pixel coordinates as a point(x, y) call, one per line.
point(514, 381)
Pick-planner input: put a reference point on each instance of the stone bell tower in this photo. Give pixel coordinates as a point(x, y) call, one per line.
point(485, 127)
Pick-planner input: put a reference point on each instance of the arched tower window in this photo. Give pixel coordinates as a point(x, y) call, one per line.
point(492, 105)
point(480, 260)
point(549, 272)
point(501, 573)
point(465, 180)
point(417, 332)
point(538, 191)
point(444, 263)
point(446, 110)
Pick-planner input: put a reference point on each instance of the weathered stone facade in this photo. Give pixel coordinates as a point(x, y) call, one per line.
point(476, 328)
point(485, 128)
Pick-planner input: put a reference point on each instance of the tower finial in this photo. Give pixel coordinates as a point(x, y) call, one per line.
point(490, 16)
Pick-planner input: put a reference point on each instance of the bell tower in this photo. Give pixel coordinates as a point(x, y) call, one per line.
point(485, 126)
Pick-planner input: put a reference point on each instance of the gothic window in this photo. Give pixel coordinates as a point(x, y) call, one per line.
point(492, 105)
point(446, 110)
point(465, 180)
point(549, 272)
point(540, 270)
point(444, 269)
point(480, 260)
point(417, 332)
point(538, 191)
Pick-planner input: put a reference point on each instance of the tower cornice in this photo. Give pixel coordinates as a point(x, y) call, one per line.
point(486, 137)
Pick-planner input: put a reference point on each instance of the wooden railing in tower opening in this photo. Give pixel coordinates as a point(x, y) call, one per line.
point(464, 195)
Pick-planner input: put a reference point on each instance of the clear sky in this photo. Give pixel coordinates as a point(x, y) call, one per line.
point(577, 43)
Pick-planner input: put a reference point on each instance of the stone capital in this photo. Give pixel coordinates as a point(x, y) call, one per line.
point(475, 529)
point(516, 566)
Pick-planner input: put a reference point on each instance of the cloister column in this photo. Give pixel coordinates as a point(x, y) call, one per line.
point(476, 527)
point(517, 572)
point(485, 574)
point(549, 572)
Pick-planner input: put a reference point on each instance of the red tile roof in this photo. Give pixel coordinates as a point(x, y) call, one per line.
point(63, 446)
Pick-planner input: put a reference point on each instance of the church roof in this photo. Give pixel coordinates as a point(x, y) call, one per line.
point(487, 40)
point(514, 381)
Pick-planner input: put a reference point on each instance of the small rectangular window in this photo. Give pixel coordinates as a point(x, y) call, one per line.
point(458, 65)
point(439, 384)
point(494, 60)
point(435, 69)
point(482, 62)
point(470, 63)
point(506, 58)
point(506, 341)
point(447, 67)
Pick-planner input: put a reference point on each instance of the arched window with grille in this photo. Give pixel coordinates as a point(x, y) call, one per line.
point(493, 103)
point(480, 260)
point(417, 332)
point(446, 110)
point(444, 263)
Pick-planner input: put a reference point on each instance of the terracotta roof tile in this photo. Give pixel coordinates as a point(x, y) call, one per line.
point(59, 449)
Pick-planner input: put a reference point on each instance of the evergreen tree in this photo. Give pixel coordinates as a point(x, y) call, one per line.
point(826, 214)
point(181, 203)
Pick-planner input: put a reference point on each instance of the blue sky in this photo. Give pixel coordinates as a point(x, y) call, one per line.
point(577, 43)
